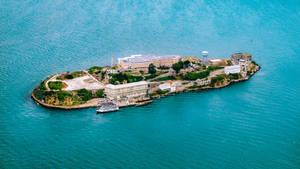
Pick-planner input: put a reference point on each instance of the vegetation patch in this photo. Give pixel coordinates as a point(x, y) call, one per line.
point(100, 93)
point(253, 62)
point(218, 79)
point(122, 77)
point(56, 85)
point(84, 94)
point(151, 69)
point(158, 73)
point(195, 75)
point(194, 87)
point(212, 68)
point(72, 75)
point(229, 63)
point(166, 78)
point(180, 65)
point(234, 76)
point(150, 76)
point(159, 92)
point(95, 69)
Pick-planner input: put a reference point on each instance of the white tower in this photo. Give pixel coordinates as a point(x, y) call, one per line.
point(112, 61)
point(204, 55)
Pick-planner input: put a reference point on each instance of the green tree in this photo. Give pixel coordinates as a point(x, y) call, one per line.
point(100, 93)
point(186, 63)
point(254, 63)
point(57, 85)
point(142, 72)
point(152, 69)
point(84, 94)
point(191, 76)
point(229, 63)
point(181, 64)
point(176, 67)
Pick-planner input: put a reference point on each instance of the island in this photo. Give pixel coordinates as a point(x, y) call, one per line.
point(137, 79)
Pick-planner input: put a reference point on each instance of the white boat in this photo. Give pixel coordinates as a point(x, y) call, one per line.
point(107, 106)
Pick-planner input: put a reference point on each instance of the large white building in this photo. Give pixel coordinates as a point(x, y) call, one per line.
point(130, 90)
point(232, 69)
point(143, 61)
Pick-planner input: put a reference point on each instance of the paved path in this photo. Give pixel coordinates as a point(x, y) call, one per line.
point(162, 75)
point(53, 78)
point(91, 76)
point(215, 73)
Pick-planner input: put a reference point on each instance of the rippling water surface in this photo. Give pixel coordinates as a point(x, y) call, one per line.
point(253, 124)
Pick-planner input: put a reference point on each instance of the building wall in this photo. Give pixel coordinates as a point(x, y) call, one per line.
point(190, 58)
point(217, 62)
point(134, 65)
point(139, 90)
point(165, 62)
point(143, 65)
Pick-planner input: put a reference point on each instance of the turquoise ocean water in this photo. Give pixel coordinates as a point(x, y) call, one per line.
point(253, 124)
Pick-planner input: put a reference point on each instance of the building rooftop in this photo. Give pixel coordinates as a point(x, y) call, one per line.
point(241, 54)
point(145, 58)
point(215, 60)
point(126, 85)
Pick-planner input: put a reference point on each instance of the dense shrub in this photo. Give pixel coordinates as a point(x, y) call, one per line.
point(158, 73)
point(161, 91)
point(39, 94)
point(123, 76)
point(212, 68)
point(78, 74)
point(71, 75)
point(203, 74)
point(95, 69)
point(150, 76)
point(103, 75)
point(177, 67)
point(254, 63)
point(68, 76)
point(42, 86)
point(166, 78)
point(100, 93)
point(229, 63)
point(131, 78)
point(195, 75)
point(191, 76)
point(57, 85)
point(218, 78)
point(234, 76)
point(84, 94)
point(62, 94)
point(186, 63)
